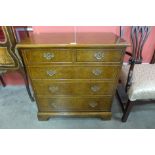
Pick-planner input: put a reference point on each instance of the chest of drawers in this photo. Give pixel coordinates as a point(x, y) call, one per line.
point(74, 79)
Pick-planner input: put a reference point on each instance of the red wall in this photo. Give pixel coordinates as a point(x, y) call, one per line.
point(61, 29)
point(15, 78)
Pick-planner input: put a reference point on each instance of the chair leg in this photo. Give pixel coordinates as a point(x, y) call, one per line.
point(28, 89)
point(127, 111)
point(119, 100)
point(2, 81)
point(27, 85)
point(121, 96)
point(27, 33)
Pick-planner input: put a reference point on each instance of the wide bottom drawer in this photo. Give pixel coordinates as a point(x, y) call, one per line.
point(74, 104)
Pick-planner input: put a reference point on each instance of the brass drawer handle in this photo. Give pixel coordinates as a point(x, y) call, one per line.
point(48, 55)
point(95, 88)
point(97, 72)
point(51, 72)
point(53, 89)
point(93, 104)
point(99, 55)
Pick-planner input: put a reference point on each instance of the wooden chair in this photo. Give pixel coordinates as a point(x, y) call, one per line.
point(137, 80)
point(9, 60)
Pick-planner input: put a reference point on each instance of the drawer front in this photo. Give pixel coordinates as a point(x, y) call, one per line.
point(73, 88)
point(74, 72)
point(39, 56)
point(99, 55)
point(75, 104)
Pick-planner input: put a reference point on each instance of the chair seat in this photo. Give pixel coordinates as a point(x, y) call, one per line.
point(5, 59)
point(143, 81)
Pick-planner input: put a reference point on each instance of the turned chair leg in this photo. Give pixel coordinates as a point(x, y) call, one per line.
point(119, 100)
point(27, 85)
point(28, 89)
point(127, 111)
point(2, 81)
point(26, 31)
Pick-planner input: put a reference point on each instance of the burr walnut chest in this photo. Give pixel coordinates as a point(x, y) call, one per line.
point(73, 74)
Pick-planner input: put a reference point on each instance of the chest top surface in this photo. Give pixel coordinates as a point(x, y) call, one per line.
point(78, 39)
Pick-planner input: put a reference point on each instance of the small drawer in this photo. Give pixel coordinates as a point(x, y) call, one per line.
point(74, 104)
point(99, 55)
point(49, 87)
point(40, 56)
point(74, 72)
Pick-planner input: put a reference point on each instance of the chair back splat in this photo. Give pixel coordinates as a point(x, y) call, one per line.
point(139, 35)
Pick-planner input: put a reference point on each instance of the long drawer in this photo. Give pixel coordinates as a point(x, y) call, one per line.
point(74, 72)
point(85, 87)
point(99, 55)
point(43, 56)
point(75, 104)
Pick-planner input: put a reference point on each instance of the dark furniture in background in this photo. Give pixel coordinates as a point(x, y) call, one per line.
point(137, 81)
